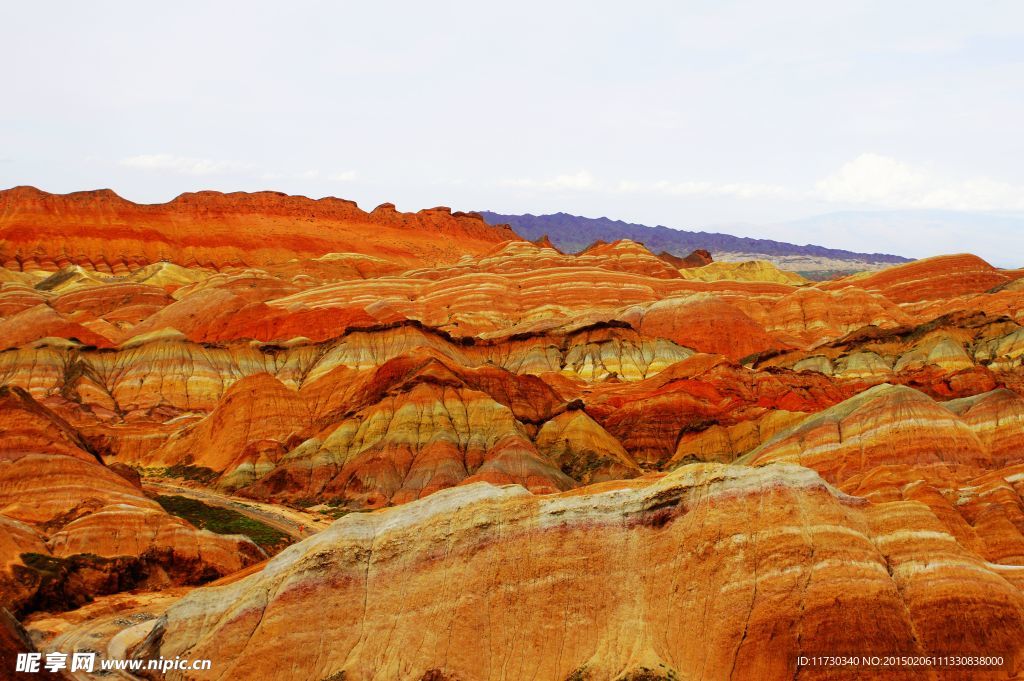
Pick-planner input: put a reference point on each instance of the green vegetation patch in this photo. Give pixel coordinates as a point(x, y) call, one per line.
point(579, 674)
point(197, 473)
point(335, 513)
point(337, 676)
point(43, 564)
point(644, 674)
point(224, 521)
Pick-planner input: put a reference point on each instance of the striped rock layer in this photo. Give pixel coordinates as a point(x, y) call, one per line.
point(603, 465)
point(714, 572)
point(72, 528)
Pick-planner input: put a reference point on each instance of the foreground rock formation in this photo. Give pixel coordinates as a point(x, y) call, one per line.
point(712, 572)
point(73, 527)
point(602, 465)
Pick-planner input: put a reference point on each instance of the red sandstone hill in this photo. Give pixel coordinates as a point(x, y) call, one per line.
point(601, 464)
point(100, 230)
point(930, 279)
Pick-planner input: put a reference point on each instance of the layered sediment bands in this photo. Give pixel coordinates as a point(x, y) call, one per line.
point(962, 458)
point(43, 321)
point(159, 391)
point(103, 232)
point(629, 256)
point(522, 288)
point(711, 572)
point(309, 353)
point(982, 511)
point(651, 418)
point(584, 450)
point(256, 421)
point(73, 528)
point(955, 355)
point(515, 288)
point(592, 352)
point(17, 297)
point(936, 278)
point(152, 391)
point(705, 323)
point(425, 436)
point(166, 372)
point(162, 377)
point(303, 441)
point(997, 418)
point(808, 316)
point(891, 425)
point(752, 270)
point(125, 302)
point(529, 398)
point(726, 443)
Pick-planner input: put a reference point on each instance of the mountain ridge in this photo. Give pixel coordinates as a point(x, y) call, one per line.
point(103, 231)
point(572, 233)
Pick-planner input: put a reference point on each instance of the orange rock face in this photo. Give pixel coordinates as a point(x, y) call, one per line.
point(962, 458)
point(685, 321)
point(596, 466)
point(897, 425)
point(102, 231)
point(711, 571)
point(74, 528)
point(931, 279)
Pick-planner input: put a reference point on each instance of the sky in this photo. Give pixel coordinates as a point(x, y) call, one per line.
point(748, 117)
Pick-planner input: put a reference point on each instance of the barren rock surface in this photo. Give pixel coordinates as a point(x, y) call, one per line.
point(539, 465)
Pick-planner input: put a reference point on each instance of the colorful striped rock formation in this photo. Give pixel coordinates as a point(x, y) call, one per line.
point(714, 572)
point(599, 466)
point(72, 528)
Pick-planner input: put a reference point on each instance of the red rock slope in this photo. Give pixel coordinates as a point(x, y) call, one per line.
point(71, 528)
point(102, 231)
point(550, 428)
point(711, 572)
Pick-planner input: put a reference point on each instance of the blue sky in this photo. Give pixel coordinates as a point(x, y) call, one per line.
point(688, 114)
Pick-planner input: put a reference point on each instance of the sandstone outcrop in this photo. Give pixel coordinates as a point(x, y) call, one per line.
point(72, 528)
point(697, 258)
point(929, 279)
point(603, 465)
point(751, 270)
point(711, 572)
point(103, 232)
point(897, 425)
point(961, 458)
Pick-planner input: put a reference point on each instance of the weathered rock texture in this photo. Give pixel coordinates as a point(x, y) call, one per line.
point(99, 230)
point(70, 527)
point(555, 429)
point(713, 572)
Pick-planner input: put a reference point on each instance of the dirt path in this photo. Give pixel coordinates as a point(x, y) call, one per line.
point(296, 524)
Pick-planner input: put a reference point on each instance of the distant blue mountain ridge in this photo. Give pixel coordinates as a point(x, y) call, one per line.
point(573, 233)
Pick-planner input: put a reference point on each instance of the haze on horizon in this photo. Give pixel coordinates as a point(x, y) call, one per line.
point(724, 116)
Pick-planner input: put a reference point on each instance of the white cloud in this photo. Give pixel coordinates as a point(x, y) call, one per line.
point(581, 180)
point(884, 181)
point(870, 179)
point(739, 190)
point(185, 165)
